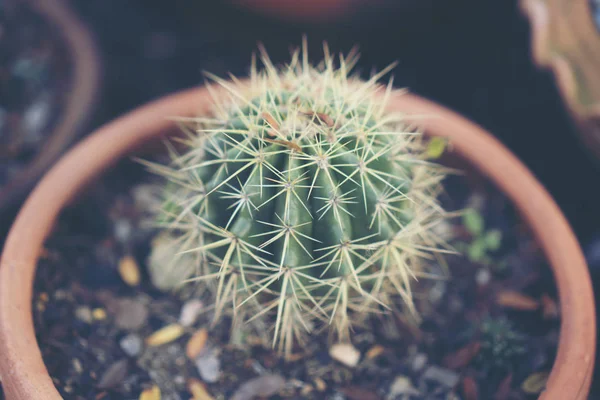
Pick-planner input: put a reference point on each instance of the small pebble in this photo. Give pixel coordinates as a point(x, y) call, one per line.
point(84, 314)
point(122, 230)
point(442, 376)
point(209, 366)
point(345, 353)
point(483, 277)
point(132, 314)
point(437, 291)
point(263, 386)
point(114, 375)
point(190, 311)
point(419, 361)
point(131, 344)
point(402, 386)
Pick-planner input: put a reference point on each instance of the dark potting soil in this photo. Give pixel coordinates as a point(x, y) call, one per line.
point(490, 330)
point(34, 78)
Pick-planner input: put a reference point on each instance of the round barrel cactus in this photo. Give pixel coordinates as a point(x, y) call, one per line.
point(302, 200)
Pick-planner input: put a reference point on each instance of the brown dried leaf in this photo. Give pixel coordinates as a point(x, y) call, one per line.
point(129, 271)
point(291, 145)
point(503, 390)
point(470, 390)
point(270, 120)
point(516, 300)
point(197, 389)
point(549, 307)
point(165, 335)
point(462, 357)
point(196, 344)
point(374, 352)
point(320, 384)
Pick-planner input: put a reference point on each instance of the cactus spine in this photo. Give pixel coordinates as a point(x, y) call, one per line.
point(303, 199)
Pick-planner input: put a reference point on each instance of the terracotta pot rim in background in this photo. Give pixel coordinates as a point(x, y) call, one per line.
point(23, 373)
point(84, 89)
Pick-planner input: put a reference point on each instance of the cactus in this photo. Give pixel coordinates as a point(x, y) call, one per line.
point(302, 199)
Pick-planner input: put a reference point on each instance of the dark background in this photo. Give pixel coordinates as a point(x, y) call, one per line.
point(470, 55)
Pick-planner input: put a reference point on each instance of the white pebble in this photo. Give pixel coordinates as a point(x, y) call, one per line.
point(131, 345)
point(189, 312)
point(345, 353)
point(209, 366)
point(483, 277)
point(442, 376)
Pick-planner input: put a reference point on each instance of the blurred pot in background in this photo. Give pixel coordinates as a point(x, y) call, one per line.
point(566, 39)
point(49, 78)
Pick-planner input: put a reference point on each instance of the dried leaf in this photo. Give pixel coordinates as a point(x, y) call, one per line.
point(196, 344)
point(535, 383)
point(326, 119)
point(291, 145)
point(198, 391)
point(436, 147)
point(270, 120)
point(549, 307)
point(503, 390)
point(470, 391)
point(516, 300)
point(129, 270)
point(462, 357)
point(165, 335)
point(320, 384)
point(152, 393)
point(374, 352)
point(99, 314)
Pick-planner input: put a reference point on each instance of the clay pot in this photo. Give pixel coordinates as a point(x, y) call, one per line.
point(566, 40)
point(22, 370)
point(80, 102)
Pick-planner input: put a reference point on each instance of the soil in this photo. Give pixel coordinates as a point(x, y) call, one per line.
point(34, 77)
point(490, 330)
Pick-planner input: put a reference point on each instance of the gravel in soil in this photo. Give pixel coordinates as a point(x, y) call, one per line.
point(105, 332)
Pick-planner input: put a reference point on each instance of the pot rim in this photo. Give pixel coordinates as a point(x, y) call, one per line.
point(22, 370)
point(84, 87)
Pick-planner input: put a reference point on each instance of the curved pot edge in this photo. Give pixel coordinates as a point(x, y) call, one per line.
point(22, 368)
point(85, 87)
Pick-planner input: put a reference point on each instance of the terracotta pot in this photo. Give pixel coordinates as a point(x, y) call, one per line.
point(566, 40)
point(23, 373)
point(83, 95)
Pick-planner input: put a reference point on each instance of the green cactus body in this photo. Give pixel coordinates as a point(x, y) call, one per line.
point(304, 199)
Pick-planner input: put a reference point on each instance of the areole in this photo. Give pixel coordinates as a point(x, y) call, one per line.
point(22, 370)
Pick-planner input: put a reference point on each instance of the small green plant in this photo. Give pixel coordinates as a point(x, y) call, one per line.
point(483, 241)
point(303, 199)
